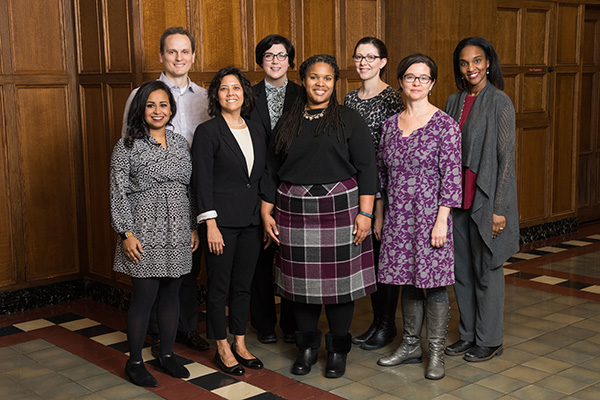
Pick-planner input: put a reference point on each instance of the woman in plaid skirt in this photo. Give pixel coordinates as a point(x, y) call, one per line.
point(321, 187)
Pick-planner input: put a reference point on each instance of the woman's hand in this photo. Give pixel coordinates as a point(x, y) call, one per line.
point(195, 240)
point(498, 224)
point(133, 249)
point(271, 231)
point(214, 237)
point(362, 225)
point(378, 219)
point(439, 233)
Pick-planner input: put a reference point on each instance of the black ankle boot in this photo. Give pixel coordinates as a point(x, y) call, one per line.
point(337, 350)
point(386, 331)
point(308, 343)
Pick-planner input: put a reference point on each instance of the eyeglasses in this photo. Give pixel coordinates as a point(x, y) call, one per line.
point(369, 57)
point(424, 79)
point(280, 56)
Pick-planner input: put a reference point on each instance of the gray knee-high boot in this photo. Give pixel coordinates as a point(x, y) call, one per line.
point(438, 315)
point(409, 351)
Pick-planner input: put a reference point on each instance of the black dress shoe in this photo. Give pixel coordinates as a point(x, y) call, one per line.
point(193, 340)
point(459, 348)
point(267, 337)
point(171, 366)
point(237, 369)
point(138, 374)
point(253, 363)
point(289, 337)
point(482, 353)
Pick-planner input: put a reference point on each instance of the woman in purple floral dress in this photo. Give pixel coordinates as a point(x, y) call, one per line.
point(420, 170)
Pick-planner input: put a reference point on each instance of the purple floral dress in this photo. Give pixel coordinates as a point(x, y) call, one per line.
point(418, 174)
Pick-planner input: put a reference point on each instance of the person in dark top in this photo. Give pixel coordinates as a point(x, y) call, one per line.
point(322, 184)
point(273, 96)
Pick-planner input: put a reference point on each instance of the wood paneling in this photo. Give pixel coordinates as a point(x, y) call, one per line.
point(320, 25)
point(508, 45)
point(224, 34)
point(89, 51)
point(536, 36)
point(361, 21)
point(272, 17)
point(38, 36)
point(568, 34)
point(173, 13)
point(591, 33)
point(531, 173)
point(8, 273)
point(49, 209)
point(117, 42)
point(535, 93)
point(117, 95)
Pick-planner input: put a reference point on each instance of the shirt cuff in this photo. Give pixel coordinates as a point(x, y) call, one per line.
point(206, 215)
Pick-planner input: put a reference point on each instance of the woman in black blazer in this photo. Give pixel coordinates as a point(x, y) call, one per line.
point(229, 155)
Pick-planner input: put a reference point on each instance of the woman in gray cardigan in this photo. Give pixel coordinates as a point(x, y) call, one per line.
point(486, 227)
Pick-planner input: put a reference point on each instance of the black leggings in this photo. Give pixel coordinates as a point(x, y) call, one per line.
point(339, 317)
point(145, 291)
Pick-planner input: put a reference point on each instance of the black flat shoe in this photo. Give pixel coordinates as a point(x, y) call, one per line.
point(253, 363)
point(193, 340)
point(482, 353)
point(459, 348)
point(289, 338)
point(237, 369)
point(172, 367)
point(267, 337)
point(138, 374)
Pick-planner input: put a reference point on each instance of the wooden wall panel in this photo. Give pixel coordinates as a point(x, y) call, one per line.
point(511, 88)
point(568, 34)
point(89, 50)
point(320, 23)
point(535, 93)
point(8, 273)
point(38, 36)
point(508, 43)
point(273, 17)
point(173, 13)
point(47, 179)
point(117, 95)
point(535, 40)
point(224, 34)
point(361, 21)
point(97, 157)
point(591, 31)
point(117, 43)
point(531, 173)
point(565, 137)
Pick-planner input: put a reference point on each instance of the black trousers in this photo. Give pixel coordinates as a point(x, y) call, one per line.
point(339, 317)
point(263, 316)
point(230, 279)
point(188, 299)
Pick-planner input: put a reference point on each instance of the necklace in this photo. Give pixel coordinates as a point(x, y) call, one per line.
point(236, 125)
point(310, 117)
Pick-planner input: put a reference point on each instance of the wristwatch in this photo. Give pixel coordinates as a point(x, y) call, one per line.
point(125, 235)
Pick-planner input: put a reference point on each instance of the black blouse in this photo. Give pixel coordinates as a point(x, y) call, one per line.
point(325, 159)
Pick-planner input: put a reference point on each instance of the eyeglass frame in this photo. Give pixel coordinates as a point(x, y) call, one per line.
point(365, 58)
point(417, 78)
point(281, 56)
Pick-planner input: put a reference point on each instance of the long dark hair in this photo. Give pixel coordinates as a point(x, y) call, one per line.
point(214, 108)
point(332, 120)
point(495, 72)
point(379, 45)
point(137, 128)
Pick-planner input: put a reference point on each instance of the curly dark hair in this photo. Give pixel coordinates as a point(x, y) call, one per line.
point(332, 120)
point(137, 127)
point(379, 45)
point(495, 72)
point(214, 108)
point(268, 42)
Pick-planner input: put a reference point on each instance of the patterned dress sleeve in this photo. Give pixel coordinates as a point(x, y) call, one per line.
point(381, 168)
point(506, 158)
point(120, 208)
point(450, 165)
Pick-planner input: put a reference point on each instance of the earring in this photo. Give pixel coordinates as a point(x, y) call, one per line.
point(488, 71)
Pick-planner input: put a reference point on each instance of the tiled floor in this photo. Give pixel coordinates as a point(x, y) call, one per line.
point(552, 349)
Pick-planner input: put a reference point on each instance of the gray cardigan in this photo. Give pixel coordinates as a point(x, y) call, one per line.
point(488, 149)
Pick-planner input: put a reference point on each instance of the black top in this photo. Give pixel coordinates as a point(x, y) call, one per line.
point(260, 112)
point(325, 159)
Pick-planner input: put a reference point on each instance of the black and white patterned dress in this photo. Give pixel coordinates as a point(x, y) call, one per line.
point(376, 110)
point(149, 196)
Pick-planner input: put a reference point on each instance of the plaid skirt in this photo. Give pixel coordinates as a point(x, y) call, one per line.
point(317, 262)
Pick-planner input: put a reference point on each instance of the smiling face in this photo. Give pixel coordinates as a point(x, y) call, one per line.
point(276, 70)
point(319, 83)
point(177, 57)
point(231, 95)
point(473, 67)
point(416, 90)
point(365, 69)
point(158, 110)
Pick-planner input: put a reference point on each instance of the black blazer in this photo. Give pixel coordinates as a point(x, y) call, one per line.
point(260, 112)
point(220, 179)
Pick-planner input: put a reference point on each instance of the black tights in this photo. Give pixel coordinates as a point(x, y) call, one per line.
point(339, 317)
point(145, 291)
